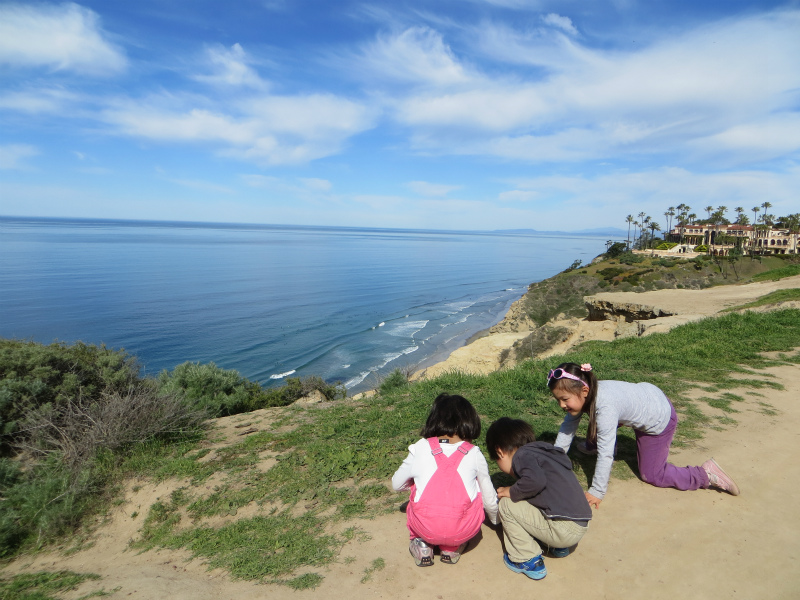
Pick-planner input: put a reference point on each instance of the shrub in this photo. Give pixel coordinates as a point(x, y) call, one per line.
point(297, 388)
point(218, 391)
point(629, 258)
point(75, 430)
point(395, 380)
point(701, 248)
point(34, 375)
point(540, 340)
point(616, 249)
point(223, 392)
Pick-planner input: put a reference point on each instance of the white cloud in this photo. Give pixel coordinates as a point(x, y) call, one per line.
point(316, 185)
point(563, 23)
point(59, 37)
point(268, 130)
point(590, 200)
point(424, 188)
point(12, 155)
point(518, 196)
point(37, 100)
point(230, 67)
point(202, 186)
point(685, 96)
point(417, 55)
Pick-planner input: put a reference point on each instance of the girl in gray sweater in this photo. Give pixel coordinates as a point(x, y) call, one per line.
point(642, 406)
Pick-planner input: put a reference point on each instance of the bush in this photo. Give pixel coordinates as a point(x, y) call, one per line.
point(33, 375)
point(395, 380)
point(616, 249)
point(75, 430)
point(701, 248)
point(629, 258)
point(297, 388)
point(223, 392)
point(220, 392)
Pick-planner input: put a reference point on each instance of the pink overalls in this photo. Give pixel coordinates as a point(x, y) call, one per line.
point(444, 516)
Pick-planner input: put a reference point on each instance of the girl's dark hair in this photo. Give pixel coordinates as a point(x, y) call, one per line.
point(575, 387)
point(452, 415)
point(507, 435)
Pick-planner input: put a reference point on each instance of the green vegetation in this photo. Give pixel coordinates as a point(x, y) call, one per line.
point(44, 585)
point(79, 424)
point(780, 273)
point(775, 297)
point(332, 464)
point(71, 414)
point(223, 392)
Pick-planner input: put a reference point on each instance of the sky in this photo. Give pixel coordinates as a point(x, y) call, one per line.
point(436, 114)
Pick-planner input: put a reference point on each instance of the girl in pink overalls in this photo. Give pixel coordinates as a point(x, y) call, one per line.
point(449, 482)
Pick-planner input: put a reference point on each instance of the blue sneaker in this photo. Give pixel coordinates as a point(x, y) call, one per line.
point(533, 568)
point(559, 552)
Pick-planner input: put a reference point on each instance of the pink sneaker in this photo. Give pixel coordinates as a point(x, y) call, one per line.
point(719, 478)
point(451, 558)
point(422, 553)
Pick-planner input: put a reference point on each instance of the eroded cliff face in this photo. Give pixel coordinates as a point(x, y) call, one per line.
point(611, 310)
point(515, 321)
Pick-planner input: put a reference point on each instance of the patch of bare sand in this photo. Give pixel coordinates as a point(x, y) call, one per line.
point(644, 542)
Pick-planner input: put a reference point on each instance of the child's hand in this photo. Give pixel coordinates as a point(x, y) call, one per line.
point(502, 492)
point(593, 502)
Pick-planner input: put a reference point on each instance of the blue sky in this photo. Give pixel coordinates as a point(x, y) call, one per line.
point(446, 114)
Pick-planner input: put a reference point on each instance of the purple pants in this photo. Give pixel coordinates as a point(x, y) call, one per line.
point(652, 452)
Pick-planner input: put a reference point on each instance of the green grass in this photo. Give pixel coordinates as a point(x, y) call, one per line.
point(45, 585)
point(334, 462)
point(776, 274)
point(775, 297)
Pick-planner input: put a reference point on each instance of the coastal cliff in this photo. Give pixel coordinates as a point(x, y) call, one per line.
point(573, 307)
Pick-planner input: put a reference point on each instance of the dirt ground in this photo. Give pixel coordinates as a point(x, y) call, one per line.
point(643, 542)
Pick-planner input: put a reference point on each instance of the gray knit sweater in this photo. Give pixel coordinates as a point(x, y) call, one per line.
point(642, 406)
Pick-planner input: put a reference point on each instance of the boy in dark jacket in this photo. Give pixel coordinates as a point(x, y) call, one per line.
point(545, 505)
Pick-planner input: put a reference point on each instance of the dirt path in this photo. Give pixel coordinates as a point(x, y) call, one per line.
point(643, 543)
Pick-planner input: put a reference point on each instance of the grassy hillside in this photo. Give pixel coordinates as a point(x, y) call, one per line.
point(278, 504)
point(563, 295)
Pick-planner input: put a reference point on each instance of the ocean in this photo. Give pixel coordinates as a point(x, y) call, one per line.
point(271, 301)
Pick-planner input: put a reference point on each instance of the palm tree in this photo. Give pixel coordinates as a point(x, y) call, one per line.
point(653, 228)
point(683, 212)
point(645, 223)
point(669, 214)
point(739, 213)
point(755, 210)
point(629, 220)
point(708, 209)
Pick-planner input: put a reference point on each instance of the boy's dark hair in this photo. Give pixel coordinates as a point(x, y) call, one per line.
point(452, 415)
point(507, 435)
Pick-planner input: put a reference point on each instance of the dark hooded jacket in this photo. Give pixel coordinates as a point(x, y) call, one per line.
point(545, 479)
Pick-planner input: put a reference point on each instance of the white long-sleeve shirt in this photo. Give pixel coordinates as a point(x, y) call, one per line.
point(420, 465)
point(642, 406)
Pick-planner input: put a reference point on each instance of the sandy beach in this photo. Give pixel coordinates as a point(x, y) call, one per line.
point(643, 542)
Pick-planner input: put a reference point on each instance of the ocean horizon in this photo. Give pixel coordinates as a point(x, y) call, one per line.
point(348, 304)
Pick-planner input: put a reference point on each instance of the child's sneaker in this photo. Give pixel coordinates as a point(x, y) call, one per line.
point(559, 552)
point(719, 478)
point(533, 568)
point(451, 558)
point(422, 553)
